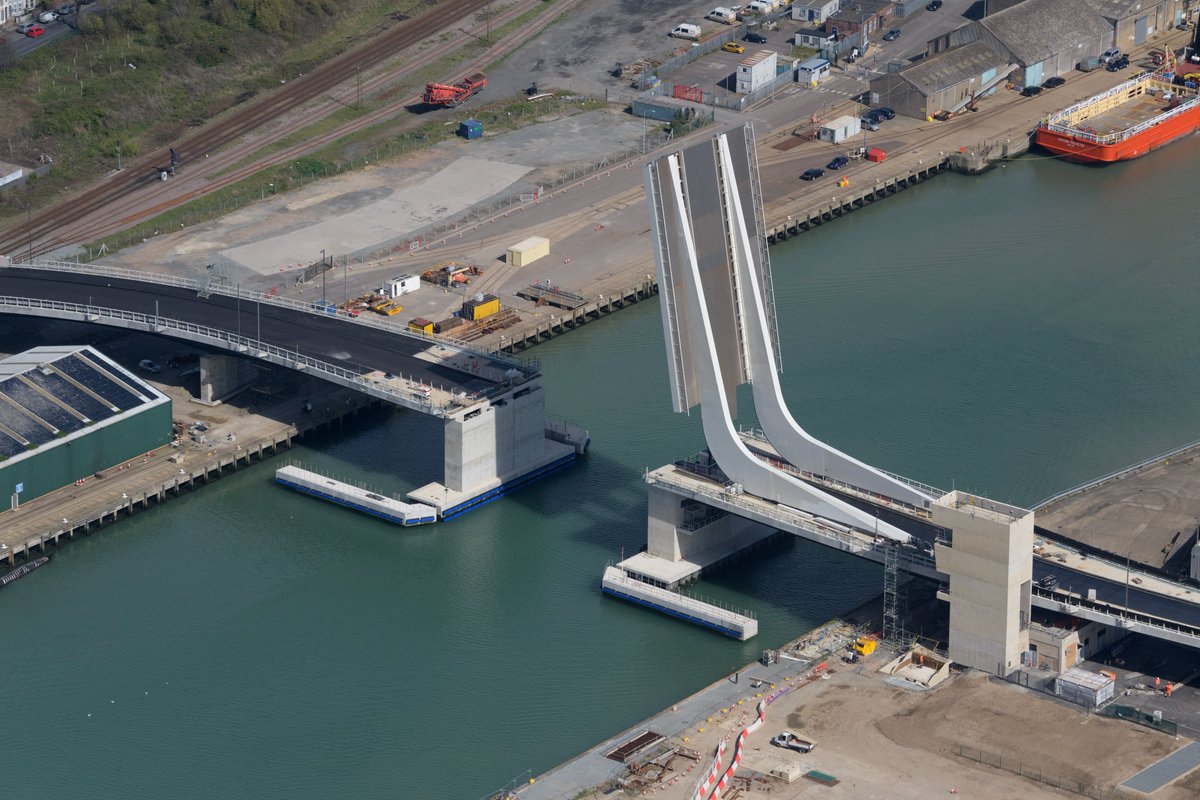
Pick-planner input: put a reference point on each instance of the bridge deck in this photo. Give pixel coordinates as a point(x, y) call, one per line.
point(1148, 513)
point(340, 342)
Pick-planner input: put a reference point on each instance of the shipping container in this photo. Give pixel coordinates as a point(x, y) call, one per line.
point(470, 129)
point(481, 306)
point(876, 155)
point(526, 252)
point(420, 325)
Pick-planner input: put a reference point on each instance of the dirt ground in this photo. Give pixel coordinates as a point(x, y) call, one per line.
point(883, 741)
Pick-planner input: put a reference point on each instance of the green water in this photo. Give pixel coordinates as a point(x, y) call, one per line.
point(1012, 334)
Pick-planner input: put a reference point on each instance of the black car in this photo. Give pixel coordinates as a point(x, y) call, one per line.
point(1031, 91)
point(876, 115)
point(837, 163)
point(1118, 64)
point(1053, 83)
point(812, 174)
point(892, 35)
point(755, 38)
point(934, 6)
point(885, 112)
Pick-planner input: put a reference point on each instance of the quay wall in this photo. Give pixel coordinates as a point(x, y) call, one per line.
point(159, 477)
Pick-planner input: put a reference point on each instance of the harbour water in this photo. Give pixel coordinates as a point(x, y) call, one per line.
point(1012, 334)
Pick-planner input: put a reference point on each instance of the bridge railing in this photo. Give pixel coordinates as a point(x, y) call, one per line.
point(223, 288)
point(1123, 617)
point(1083, 487)
point(729, 494)
point(243, 344)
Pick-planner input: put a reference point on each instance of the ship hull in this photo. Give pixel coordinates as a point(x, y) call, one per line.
point(1084, 151)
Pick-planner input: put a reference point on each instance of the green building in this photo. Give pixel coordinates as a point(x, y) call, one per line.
point(69, 412)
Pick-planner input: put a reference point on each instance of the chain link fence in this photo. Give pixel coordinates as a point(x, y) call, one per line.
point(1018, 767)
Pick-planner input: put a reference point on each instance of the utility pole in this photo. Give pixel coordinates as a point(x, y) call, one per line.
point(118, 156)
point(324, 269)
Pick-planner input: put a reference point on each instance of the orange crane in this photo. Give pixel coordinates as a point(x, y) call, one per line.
point(450, 95)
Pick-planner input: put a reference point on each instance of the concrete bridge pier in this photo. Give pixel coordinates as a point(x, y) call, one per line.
point(494, 447)
point(222, 376)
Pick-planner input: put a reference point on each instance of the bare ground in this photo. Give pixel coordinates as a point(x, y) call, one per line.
point(882, 741)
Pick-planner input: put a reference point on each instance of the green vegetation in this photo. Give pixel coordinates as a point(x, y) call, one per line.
point(139, 74)
point(369, 147)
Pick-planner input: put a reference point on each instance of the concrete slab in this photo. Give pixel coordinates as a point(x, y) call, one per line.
point(1159, 774)
point(450, 191)
point(1150, 513)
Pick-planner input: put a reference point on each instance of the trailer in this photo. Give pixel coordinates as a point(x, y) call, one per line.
point(450, 95)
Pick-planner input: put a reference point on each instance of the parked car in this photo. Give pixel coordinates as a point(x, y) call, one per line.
point(754, 38)
point(1053, 83)
point(149, 366)
point(812, 174)
point(934, 6)
point(65, 11)
point(1031, 91)
point(876, 115)
point(870, 123)
point(1110, 54)
point(1117, 64)
point(885, 112)
point(33, 31)
point(837, 163)
point(892, 35)
point(733, 47)
point(47, 16)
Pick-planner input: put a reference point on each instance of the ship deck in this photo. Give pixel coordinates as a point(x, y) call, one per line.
point(1133, 111)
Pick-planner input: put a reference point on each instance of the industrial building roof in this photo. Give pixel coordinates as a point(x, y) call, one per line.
point(952, 67)
point(50, 393)
point(1038, 29)
point(1115, 9)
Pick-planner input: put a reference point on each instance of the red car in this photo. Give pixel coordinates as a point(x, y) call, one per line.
point(35, 31)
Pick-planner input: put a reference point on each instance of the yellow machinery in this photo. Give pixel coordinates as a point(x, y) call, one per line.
point(864, 646)
point(420, 325)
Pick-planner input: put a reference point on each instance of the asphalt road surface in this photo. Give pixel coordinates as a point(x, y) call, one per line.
point(348, 345)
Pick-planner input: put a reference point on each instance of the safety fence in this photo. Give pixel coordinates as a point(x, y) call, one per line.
point(1120, 473)
point(242, 344)
point(220, 286)
point(1018, 767)
point(1146, 718)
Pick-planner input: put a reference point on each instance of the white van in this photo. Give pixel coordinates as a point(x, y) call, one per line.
point(760, 7)
point(687, 31)
point(47, 16)
point(722, 14)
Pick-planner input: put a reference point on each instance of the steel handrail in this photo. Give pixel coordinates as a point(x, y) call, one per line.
point(529, 366)
point(238, 343)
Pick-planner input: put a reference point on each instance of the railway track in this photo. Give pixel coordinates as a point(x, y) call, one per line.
point(131, 210)
point(226, 131)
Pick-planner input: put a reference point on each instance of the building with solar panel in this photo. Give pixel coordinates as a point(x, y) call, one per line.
point(69, 412)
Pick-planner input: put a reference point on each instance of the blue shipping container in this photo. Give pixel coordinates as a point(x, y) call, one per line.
point(471, 129)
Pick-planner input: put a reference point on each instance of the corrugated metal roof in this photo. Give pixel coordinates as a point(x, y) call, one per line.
point(1038, 29)
point(1115, 9)
point(757, 56)
point(1082, 677)
point(933, 74)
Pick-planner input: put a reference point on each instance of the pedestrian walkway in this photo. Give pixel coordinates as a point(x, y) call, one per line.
point(1165, 770)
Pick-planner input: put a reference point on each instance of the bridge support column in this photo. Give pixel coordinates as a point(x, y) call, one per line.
point(222, 376)
point(991, 578)
point(492, 448)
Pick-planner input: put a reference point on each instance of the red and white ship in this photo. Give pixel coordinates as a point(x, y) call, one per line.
point(1127, 121)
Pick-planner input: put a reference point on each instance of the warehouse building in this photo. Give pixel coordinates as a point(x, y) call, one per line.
point(945, 82)
point(1043, 38)
point(69, 412)
point(1134, 21)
